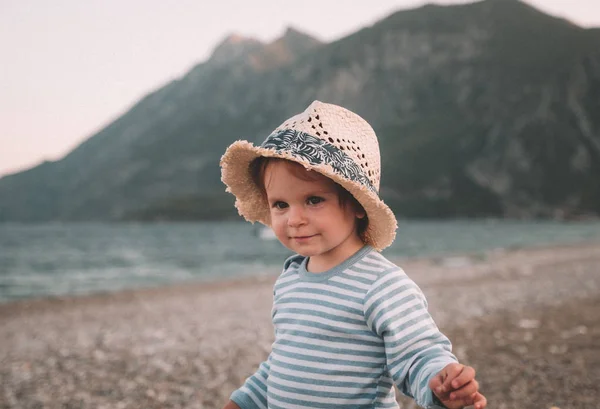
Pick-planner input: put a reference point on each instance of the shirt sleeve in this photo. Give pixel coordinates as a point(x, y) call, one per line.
point(396, 310)
point(253, 394)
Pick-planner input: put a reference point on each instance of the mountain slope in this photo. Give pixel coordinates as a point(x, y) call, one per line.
point(486, 109)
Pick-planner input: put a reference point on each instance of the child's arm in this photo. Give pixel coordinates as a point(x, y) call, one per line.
point(231, 405)
point(253, 394)
point(416, 350)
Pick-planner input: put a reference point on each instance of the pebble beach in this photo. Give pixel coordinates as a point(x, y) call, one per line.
point(527, 319)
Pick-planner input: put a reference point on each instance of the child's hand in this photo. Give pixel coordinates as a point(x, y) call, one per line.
point(456, 387)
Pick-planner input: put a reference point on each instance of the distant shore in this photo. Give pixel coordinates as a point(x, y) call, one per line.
point(525, 318)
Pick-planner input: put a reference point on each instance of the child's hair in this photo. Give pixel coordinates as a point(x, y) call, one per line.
point(258, 168)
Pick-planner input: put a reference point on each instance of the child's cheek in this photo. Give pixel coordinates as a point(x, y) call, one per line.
point(278, 223)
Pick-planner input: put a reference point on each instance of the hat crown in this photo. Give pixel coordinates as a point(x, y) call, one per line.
point(343, 129)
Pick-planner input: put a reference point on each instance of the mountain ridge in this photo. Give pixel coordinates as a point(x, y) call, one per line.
point(477, 100)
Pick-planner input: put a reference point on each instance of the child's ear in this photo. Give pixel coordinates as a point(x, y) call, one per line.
point(359, 211)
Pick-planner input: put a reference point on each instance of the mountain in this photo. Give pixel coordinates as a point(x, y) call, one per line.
point(488, 109)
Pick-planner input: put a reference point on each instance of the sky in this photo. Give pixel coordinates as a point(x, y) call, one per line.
point(70, 67)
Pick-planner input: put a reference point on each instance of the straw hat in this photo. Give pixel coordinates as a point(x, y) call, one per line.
point(324, 138)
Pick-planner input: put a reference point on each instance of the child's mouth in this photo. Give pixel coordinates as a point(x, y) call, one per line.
point(303, 238)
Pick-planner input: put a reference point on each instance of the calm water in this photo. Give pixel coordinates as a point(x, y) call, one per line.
point(60, 259)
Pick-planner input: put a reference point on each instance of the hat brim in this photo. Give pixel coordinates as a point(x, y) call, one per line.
point(251, 203)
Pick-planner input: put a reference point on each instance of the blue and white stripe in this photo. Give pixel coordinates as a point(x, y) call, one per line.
point(345, 337)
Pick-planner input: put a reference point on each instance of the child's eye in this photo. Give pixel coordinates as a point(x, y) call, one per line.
point(313, 200)
point(280, 205)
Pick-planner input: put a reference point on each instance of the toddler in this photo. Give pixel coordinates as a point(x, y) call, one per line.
point(349, 324)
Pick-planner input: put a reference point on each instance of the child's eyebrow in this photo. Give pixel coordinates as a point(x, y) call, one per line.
point(273, 199)
point(323, 191)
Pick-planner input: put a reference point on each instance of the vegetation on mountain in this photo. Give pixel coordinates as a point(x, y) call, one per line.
point(489, 109)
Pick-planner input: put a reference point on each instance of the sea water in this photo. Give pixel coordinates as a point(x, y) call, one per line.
point(40, 260)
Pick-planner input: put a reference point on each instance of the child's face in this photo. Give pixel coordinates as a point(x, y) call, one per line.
point(307, 217)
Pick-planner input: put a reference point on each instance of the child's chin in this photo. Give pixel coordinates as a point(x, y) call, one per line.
point(304, 250)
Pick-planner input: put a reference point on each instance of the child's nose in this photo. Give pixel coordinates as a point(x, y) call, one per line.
point(295, 216)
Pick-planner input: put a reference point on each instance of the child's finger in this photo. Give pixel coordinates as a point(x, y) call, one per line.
point(479, 401)
point(452, 371)
point(465, 376)
point(436, 382)
point(465, 391)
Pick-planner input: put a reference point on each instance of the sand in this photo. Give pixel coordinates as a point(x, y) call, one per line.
point(528, 320)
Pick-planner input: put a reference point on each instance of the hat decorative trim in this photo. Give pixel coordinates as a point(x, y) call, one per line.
point(316, 152)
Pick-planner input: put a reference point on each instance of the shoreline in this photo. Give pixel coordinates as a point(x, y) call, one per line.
point(34, 304)
point(270, 275)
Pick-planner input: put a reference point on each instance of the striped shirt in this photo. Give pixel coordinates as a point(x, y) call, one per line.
point(344, 337)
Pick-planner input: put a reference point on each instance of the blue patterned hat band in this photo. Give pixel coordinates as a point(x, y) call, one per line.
point(317, 152)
